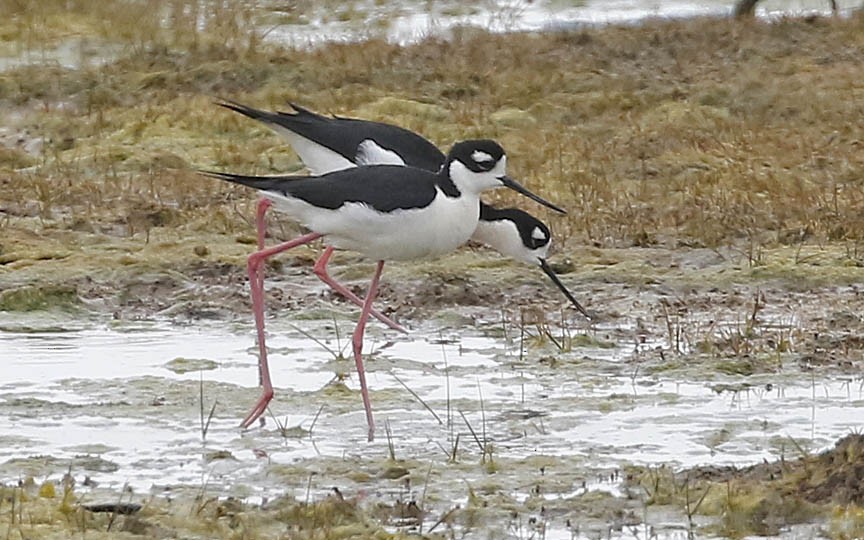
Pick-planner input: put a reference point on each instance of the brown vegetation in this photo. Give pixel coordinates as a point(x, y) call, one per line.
point(764, 499)
point(697, 133)
point(739, 136)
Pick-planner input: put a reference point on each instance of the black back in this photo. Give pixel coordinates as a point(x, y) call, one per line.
point(384, 188)
point(344, 135)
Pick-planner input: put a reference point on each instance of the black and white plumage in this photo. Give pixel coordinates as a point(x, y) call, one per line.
point(327, 144)
point(386, 212)
point(392, 212)
point(520, 235)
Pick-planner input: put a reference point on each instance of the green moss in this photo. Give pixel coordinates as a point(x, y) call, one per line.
point(187, 365)
point(736, 366)
point(36, 297)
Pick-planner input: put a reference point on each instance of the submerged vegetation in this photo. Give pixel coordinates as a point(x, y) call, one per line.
point(713, 171)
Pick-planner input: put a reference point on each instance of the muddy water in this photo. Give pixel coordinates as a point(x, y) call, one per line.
point(120, 404)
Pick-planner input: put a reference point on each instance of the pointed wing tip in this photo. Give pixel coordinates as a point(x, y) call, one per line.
point(227, 103)
point(215, 174)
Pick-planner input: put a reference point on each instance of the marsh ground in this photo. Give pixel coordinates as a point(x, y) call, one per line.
point(713, 174)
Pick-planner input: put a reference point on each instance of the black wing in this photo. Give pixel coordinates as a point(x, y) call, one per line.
point(384, 188)
point(344, 135)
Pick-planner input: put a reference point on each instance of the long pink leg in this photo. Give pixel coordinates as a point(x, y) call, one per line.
point(253, 268)
point(357, 342)
point(260, 223)
point(320, 270)
point(261, 229)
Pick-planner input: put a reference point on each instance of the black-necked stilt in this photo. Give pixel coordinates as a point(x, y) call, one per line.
point(386, 212)
point(523, 237)
point(327, 144)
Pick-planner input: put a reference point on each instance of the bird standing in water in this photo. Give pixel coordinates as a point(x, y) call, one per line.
point(385, 212)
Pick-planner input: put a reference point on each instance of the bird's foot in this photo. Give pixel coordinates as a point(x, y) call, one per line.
point(258, 409)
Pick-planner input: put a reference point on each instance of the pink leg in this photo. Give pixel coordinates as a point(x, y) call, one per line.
point(261, 226)
point(357, 342)
point(253, 266)
point(260, 223)
point(320, 270)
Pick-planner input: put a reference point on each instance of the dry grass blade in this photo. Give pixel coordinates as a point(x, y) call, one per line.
point(482, 413)
point(473, 433)
point(423, 495)
point(418, 398)
point(113, 516)
point(455, 449)
point(315, 420)
point(391, 449)
point(336, 355)
point(205, 422)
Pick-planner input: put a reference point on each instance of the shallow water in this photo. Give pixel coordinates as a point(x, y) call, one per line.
point(73, 53)
point(102, 399)
point(405, 22)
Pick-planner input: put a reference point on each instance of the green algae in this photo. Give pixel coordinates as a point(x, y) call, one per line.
point(36, 297)
point(187, 365)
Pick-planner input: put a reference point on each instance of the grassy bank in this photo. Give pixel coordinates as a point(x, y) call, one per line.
point(696, 133)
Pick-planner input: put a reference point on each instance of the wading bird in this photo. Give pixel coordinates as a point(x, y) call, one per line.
point(327, 144)
point(385, 212)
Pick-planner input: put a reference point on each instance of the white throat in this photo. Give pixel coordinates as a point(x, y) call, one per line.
point(502, 235)
point(468, 181)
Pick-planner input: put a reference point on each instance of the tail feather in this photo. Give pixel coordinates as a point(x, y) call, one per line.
point(262, 183)
point(302, 113)
point(289, 120)
point(255, 114)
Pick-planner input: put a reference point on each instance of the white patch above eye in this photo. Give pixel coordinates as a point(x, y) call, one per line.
point(481, 157)
point(538, 234)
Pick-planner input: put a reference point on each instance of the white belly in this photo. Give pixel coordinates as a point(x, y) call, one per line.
point(400, 235)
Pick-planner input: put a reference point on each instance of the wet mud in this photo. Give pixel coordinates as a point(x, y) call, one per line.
point(503, 411)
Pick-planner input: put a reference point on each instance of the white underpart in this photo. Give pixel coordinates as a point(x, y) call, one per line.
point(370, 153)
point(416, 233)
point(399, 235)
point(480, 156)
point(503, 236)
point(318, 158)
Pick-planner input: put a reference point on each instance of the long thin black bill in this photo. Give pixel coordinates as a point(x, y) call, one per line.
point(516, 186)
point(551, 273)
